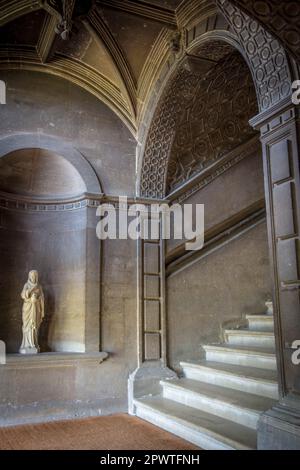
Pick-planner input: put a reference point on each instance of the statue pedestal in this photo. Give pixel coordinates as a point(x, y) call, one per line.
point(28, 351)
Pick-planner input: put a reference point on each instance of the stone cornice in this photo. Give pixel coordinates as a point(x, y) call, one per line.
point(23, 203)
point(50, 359)
point(277, 110)
point(17, 202)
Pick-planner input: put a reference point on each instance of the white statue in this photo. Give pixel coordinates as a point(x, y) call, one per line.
point(32, 313)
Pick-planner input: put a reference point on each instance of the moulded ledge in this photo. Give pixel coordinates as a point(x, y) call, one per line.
point(52, 358)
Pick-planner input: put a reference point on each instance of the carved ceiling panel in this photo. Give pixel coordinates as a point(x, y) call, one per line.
point(214, 120)
point(198, 120)
point(281, 18)
point(266, 56)
point(214, 50)
point(163, 131)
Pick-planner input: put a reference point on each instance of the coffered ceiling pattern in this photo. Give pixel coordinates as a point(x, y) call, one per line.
point(214, 119)
point(281, 18)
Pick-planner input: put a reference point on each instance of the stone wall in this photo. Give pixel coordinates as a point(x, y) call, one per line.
point(233, 281)
point(47, 105)
point(227, 284)
point(55, 244)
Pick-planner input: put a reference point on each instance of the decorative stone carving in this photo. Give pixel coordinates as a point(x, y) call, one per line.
point(281, 18)
point(269, 306)
point(213, 51)
point(271, 74)
point(214, 121)
point(185, 132)
point(266, 57)
point(32, 313)
point(175, 43)
point(247, 150)
point(162, 132)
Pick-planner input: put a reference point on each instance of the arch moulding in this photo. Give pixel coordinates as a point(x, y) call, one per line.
point(269, 66)
point(16, 142)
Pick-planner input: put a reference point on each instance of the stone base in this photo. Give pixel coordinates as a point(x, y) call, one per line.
point(49, 411)
point(28, 350)
point(145, 381)
point(279, 428)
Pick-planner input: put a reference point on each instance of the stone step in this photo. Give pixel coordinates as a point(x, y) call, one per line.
point(260, 339)
point(243, 356)
point(246, 379)
point(260, 322)
point(205, 430)
point(233, 405)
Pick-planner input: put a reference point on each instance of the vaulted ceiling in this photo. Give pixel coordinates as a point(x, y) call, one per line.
point(116, 49)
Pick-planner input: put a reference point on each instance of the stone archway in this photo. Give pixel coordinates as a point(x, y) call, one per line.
point(278, 123)
point(271, 74)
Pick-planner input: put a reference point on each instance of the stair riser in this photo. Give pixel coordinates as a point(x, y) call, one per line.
point(241, 359)
point(261, 325)
point(243, 384)
point(209, 405)
point(199, 438)
point(255, 341)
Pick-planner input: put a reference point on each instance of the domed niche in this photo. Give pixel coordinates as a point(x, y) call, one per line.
point(51, 241)
point(39, 174)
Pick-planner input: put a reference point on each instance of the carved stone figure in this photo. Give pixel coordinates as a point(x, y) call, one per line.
point(32, 313)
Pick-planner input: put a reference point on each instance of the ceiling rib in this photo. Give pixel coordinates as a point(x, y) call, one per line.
point(190, 12)
point(100, 31)
point(11, 10)
point(47, 38)
point(157, 58)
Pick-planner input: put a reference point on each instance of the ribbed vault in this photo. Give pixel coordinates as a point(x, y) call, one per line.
point(117, 49)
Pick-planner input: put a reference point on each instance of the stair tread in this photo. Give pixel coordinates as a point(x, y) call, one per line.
point(223, 430)
point(255, 373)
point(250, 332)
point(242, 349)
point(228, 396)
point(259, 316)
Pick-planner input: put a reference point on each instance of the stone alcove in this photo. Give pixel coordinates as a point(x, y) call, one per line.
point(45, 225)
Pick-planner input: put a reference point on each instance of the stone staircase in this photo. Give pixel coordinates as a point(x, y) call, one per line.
point(217, 403)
